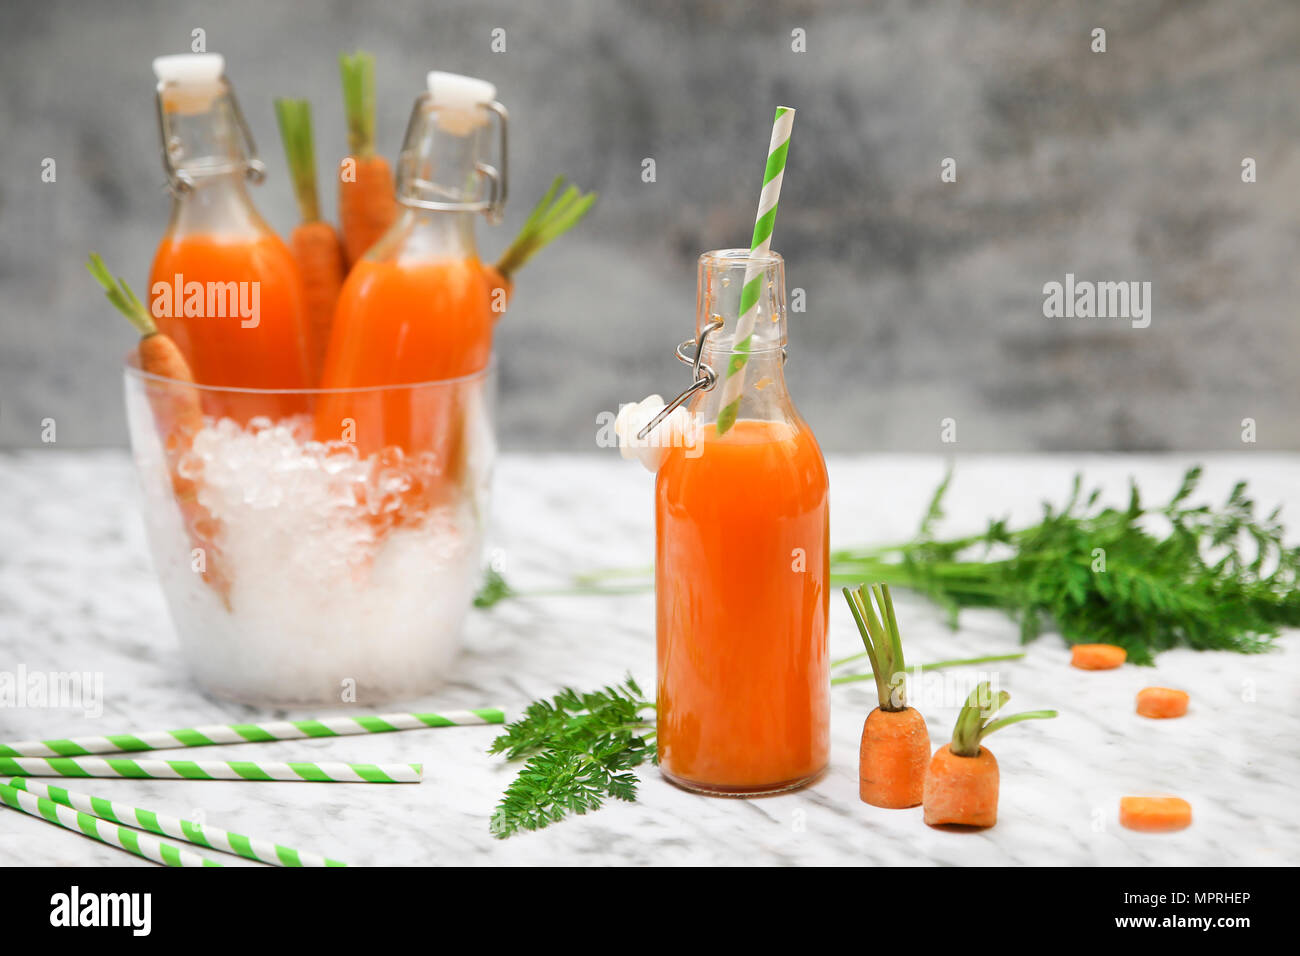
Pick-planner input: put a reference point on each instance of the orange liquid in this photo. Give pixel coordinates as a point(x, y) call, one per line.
point(744, 676)
point(220, 350)
point(399, 324)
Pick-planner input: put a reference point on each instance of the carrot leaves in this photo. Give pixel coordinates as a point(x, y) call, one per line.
point(555, 214)
point(578, 750)
point(883, 642)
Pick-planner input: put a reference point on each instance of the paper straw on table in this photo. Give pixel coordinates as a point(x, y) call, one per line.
point(248, 733)
point(200, 834)
point(733, 384)
point(124, 838)
point(328, 772)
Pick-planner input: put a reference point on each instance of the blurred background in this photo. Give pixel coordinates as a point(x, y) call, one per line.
point(924, 299)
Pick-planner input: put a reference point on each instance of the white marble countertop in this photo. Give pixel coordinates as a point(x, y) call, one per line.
point(77, 593)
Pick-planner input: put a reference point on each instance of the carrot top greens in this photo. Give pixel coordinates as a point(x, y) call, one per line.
point(294, 119)
point(357, 70)
point(883, 642)
point(554, 215)
point(975, 722)
point(1144, 577)
point(120, 294)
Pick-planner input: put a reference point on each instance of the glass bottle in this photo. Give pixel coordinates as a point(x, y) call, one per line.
point(742, 563)
point(418, 307)
point(223, 284)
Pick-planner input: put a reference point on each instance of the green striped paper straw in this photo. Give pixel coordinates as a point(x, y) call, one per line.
point(330, 772)
point(248, 733)
point(733, 384)
point(124, 838)
point(214, 838)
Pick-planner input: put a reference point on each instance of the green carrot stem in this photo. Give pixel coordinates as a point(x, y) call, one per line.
point(863, 616)
point(975, 721)
point(937, 665)
point(552, 217)
point(1015, 719)
point(357, 71)
point(123, 299)
point(294, 119)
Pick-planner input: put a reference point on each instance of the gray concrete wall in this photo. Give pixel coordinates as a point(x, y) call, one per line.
point(924, 299)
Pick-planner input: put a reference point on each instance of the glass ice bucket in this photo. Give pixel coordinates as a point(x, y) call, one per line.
point(315, 546)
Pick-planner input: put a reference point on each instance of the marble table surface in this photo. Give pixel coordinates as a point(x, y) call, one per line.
point(77, 592)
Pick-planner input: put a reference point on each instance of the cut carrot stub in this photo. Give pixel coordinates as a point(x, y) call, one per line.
point(961, 790)
point(1155, 814)
point(1162, 702)
point(892, 759)
point(961, 784)
point(1097, 657)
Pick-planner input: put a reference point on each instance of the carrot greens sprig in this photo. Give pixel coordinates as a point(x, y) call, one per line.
point(554, 215)
point(975, 721)
point(579, 749)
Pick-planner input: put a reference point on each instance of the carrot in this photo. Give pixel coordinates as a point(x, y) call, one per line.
point(895, 742)
point(1155, 814)
point(314, 242)
point(961, 784)
point(1162, 702)
point(554, 215)
point(1097, 657)
point(367, 199)
point(177, 413)
point(961, 790)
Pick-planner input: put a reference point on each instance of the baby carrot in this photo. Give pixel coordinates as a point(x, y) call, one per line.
point(314, 242)
point(1097, 657)
point(1155, 814)
point(177, 413)
point(895, 742)
point(1162, 702)
point(367, 201)
point(961, 785)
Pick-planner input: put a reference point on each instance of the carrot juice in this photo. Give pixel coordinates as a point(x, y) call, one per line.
point(223, 285)
point(234, 306)
point(418, 306)
point(742, 564)
point(742, 592)
point(401, 323)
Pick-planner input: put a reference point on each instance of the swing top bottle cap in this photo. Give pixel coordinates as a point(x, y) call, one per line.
point(189, 69)
point(189, 83)
point(458, 100)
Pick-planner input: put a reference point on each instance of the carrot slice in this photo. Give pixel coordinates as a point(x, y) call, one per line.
point(1155, 814)
point(1097, 657)
point(1162, 702)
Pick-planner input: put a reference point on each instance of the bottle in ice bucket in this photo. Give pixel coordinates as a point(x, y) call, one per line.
point(742, 562)
point(223, 285)
point(418, 306)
